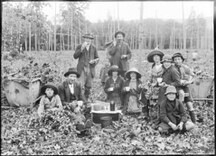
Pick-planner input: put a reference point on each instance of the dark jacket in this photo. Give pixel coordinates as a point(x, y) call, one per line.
point(117, 87)
point(84, 58)
point(172, 111)
point(116, 52)
point(171, 77)
point(65, 94)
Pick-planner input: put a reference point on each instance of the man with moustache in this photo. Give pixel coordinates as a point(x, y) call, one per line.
point(120, 53)
point(87, 56)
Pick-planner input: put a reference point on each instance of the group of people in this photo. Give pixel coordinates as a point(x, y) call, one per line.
point(169, 83)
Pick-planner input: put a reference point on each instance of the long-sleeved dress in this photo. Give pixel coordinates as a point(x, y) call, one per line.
point(114, 95)
point(131, 98)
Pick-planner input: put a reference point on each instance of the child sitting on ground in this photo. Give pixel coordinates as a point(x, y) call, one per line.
point(172, 114)
point(50, 99)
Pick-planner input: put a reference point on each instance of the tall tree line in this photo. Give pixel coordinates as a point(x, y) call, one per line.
point(28, 27)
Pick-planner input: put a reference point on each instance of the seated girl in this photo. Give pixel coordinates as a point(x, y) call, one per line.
point(113, 87)
point(131, 91)
point(50, 99)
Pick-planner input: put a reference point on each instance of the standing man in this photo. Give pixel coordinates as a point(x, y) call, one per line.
point(120, 53)
point(88, 59)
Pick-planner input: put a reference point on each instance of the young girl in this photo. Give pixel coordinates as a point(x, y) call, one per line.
point(131, 91)
point(50, 99)
point(172, 113)
point(113, 86)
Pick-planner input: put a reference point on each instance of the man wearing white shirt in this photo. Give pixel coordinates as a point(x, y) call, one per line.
point(70, 90)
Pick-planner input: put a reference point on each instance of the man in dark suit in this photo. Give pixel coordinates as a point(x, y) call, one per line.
point(70, 90)
point(88, 59)
point(120, 53)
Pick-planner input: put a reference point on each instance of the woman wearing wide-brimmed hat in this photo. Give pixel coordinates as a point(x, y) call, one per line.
point(119, 52)
point(88, 58)
point(155, 57)
point(50, 99)
point(131, 91)
point(113, 86)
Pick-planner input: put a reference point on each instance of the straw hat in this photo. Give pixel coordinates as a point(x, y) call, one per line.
point(72, 71)
point(49, 85)
point(127, 74)
point(170, 89)
point(156, 51)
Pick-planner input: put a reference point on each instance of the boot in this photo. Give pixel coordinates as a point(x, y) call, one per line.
point(192, 115)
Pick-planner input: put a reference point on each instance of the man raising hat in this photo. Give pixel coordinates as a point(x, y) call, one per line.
point(87, 56)
point(120, 53)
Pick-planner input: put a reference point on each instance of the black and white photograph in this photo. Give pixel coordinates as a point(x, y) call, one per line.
point(107, 77)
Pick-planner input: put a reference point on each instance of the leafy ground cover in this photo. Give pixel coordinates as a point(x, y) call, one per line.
point(22, 133)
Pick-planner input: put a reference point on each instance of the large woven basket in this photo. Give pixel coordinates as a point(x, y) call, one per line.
point(201, 87)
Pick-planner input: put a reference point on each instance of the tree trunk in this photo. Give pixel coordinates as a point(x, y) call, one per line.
point(35, 41)
point(55, 30)
point(68, 39)
point(183, 27)
point(29, 37)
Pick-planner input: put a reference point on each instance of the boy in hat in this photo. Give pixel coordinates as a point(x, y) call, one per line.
point(88, 59)
point(50, 99)
point(120, 53)
point(172, 114)
point(170, 76)
point(113, 86)
point(187, 76)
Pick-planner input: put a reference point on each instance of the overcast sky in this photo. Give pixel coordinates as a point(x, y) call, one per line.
point(130, 10)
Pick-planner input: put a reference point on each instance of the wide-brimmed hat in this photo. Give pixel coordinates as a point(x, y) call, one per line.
point(127, 74)
point(177, 55)
point(49, 85)
point(170, 89)
point(156, 51)
point(72, 71)
point(119, 32)
point(167, 58)
point(88, 35)
point(112, 69)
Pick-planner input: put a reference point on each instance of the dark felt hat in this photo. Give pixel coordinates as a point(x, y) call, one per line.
point(72, 71)
point(166, 58)
point(156, 51)
point(127, 74)
point(120, 32)
point(112, 69)
point(89, 35)
point(177, 55)
point(49, 85)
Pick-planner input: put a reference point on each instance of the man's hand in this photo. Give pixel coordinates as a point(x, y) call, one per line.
point(114, 42)
point(180, 126)
point(83, 46)
point(173, 126)
point(110, 89)
point(123, 56)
